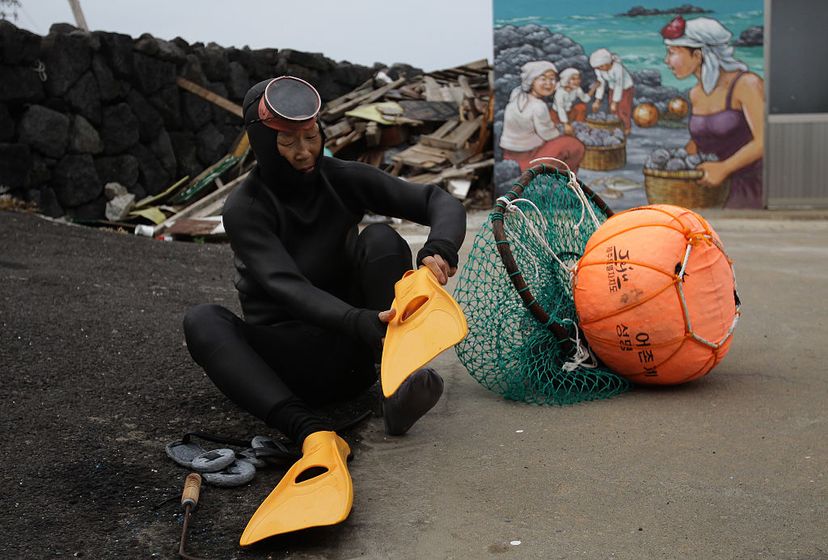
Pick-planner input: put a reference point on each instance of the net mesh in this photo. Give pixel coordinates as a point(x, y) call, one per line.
point(508, 349)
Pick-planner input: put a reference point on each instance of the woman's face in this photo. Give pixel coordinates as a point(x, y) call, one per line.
point(301, 148)
point(544, 85)
point(574, 82)
point(682, 61)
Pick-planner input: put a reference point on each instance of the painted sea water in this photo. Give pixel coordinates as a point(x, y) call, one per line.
point(596, 24)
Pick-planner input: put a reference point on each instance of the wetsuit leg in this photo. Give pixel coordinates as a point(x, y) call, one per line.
point(265, 369)
point(382, 257)
point(272, 371)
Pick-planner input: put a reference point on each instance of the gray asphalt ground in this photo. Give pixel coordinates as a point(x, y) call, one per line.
point(96, 379)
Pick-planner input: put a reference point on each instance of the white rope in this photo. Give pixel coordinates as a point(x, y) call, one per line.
point(573, 184)
point(511, 206)
point(582, 352)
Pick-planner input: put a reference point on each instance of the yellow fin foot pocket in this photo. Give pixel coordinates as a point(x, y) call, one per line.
point(428, 321)
point(316, 491)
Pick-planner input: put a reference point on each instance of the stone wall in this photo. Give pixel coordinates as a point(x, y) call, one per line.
point(79, 110)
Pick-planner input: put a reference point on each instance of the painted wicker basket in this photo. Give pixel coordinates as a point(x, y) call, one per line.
point(607, 125)
point(605, 158)
point(682, 188)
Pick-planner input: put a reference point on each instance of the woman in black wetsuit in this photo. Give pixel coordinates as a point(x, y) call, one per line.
point(314, 292)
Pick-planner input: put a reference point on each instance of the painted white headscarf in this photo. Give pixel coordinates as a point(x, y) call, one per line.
point(567, 75)
point(713, 39)
point(601, 57)
point(529, 72)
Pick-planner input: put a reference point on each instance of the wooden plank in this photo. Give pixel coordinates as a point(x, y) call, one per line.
point(366, 86)
point(214, 98)
point(488, 116)
point(195, 227)
point(433, 91)
point(373, 134)
point(212, 209)
point(464, 85)
point(340, 128)
point(429, 110)
point(336, 112)
point(441, 143)
point(455, 139)
point(199, 205)
point(372, 157)
point(422, 156)
point(424, 178)
point(462, 133)
point(345, 141)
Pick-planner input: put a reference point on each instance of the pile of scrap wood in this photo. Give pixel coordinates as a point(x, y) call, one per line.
point(430, 129)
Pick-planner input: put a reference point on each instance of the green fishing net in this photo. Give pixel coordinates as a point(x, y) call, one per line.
point(516, 292)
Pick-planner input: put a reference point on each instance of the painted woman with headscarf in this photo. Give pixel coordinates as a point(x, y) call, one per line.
point(728, 107)
point(613, 76)
point(570, 100)
point(528, 130)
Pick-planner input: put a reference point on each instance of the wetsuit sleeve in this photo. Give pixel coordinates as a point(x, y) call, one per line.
point(428, 205)
point(253, 238)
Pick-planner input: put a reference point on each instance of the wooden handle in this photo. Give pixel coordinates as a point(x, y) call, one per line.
point(192, 486)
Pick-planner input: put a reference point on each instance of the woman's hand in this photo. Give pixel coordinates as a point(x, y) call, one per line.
point(613, 107)
point(715, 173)
point(596, 105)
point(568, 129)
point(439, 267)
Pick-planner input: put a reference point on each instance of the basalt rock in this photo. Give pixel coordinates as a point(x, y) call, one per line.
point(751, 37)
point(162, 148)
point(150, 121)
point(67, 57)
point(76, 181)
point(83, 138)
point(121, 169)
point(186, 152)
point(152, 74)
point(15, 165)
point(20, 84)
point(238, 81)
point(18, 46)
point(45, 130)
point(109, 88)
point(210, 144)
point(7, 124)
point(84, 98)
point(117, 51)
point(120, 130)
point(152, 175)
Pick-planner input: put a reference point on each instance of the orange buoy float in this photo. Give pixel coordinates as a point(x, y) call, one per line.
point(678, 107)
point(645, 115)
point(656, 295)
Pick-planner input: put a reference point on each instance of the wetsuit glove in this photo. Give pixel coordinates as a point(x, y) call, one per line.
point(365, 326)
point(442, 247)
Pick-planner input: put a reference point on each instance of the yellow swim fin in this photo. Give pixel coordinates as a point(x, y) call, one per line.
point(428, 321)
point(298, 503)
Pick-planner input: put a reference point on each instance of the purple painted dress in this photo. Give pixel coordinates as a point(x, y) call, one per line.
point(724, 133)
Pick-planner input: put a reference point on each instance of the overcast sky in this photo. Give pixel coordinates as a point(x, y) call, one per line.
point(430, 34)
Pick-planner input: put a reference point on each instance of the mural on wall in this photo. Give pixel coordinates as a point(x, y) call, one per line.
point(656, 104)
